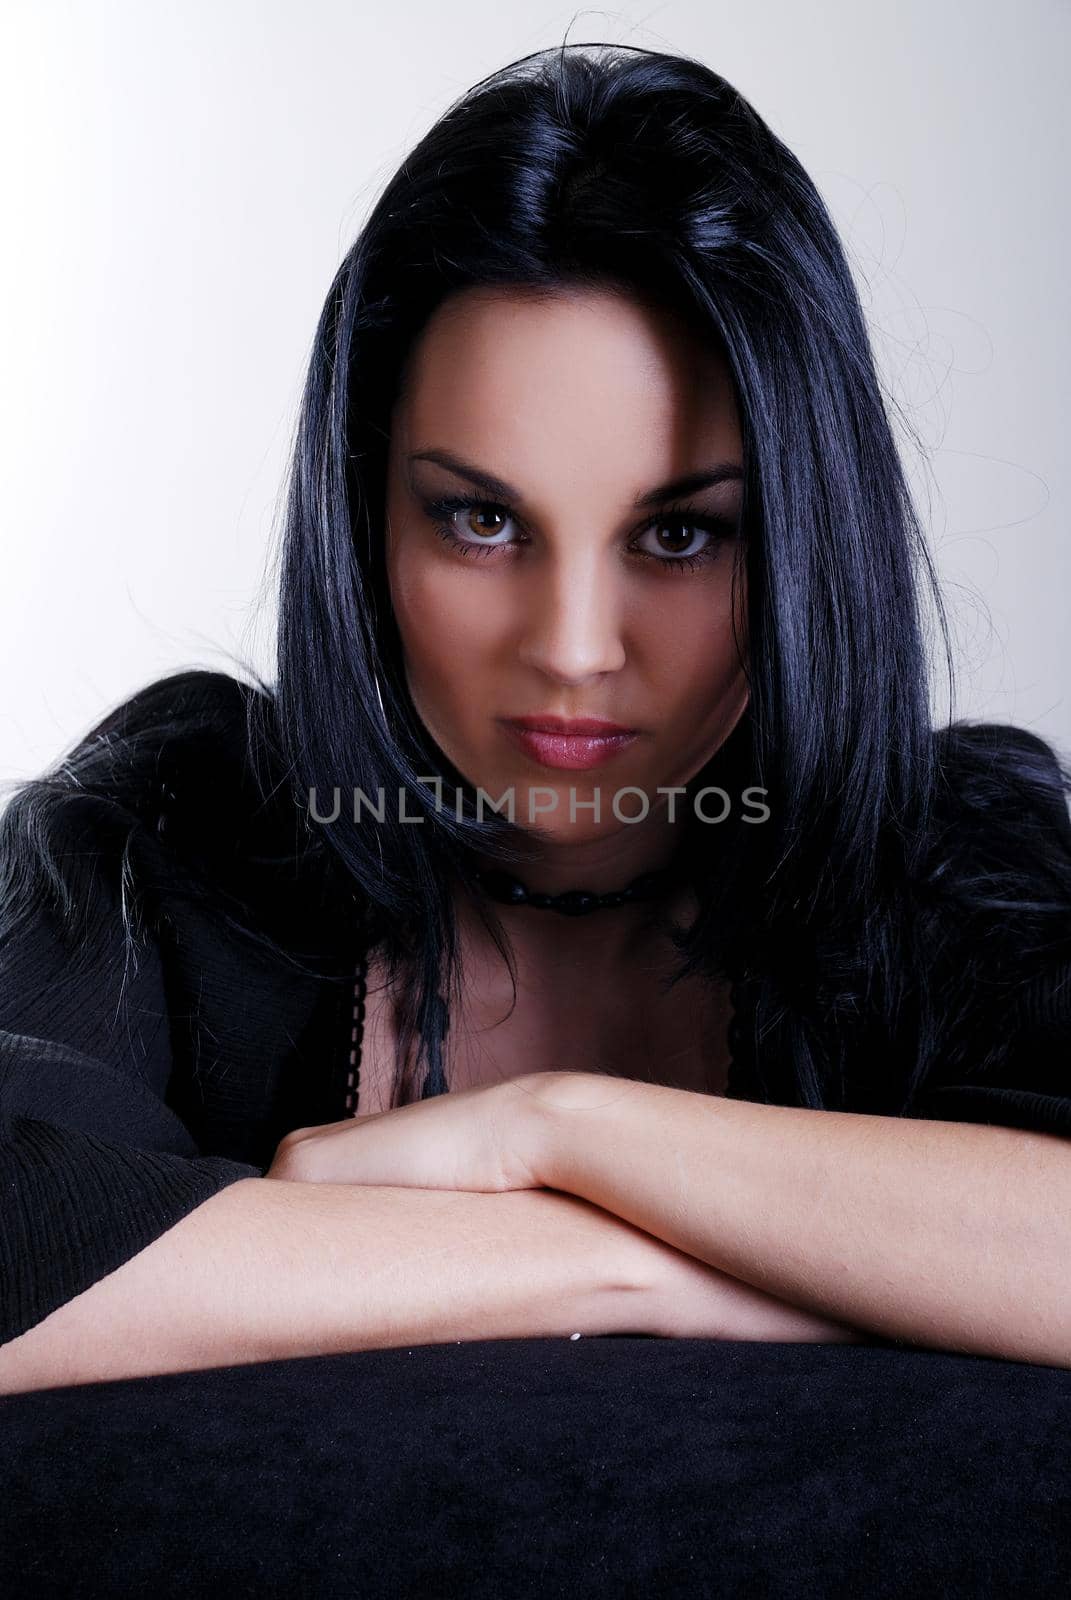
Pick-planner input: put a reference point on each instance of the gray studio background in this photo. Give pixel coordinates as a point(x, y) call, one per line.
point(181, 180)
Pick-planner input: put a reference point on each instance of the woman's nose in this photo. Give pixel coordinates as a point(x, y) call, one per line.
point(572, 619)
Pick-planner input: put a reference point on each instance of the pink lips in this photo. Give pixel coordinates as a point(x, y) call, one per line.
point(549, 723)
point(569, 743)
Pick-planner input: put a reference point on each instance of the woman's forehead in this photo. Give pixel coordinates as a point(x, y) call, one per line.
point(531, 385)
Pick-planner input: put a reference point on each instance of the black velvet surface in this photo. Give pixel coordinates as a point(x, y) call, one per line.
point(618, 1466)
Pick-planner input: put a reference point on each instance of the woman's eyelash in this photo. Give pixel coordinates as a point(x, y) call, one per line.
point(719, 527)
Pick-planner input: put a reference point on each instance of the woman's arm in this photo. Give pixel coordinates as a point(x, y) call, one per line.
point(946, 1234)
point(268, 1269)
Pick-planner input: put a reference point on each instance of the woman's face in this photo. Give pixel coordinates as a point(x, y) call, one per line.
point(568, 588)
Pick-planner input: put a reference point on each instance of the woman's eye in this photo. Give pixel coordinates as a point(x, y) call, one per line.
point(485, 524)
point(682, 541)
point(677, 540)
point(470, 526)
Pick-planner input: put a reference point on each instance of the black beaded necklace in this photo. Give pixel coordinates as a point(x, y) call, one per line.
point(510, 891)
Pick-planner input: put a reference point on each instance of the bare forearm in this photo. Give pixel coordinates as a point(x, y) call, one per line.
point(950, 1235)
point(267, 1270)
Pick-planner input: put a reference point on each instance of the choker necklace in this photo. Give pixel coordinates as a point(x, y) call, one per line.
point(510, 891)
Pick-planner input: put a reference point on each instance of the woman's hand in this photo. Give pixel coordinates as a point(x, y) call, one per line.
point(691, 1300)
point(485, 1140)
point(498, 1137)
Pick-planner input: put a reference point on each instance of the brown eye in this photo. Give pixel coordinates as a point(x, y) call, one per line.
point(477, 512)
point(675, 536)
point(682, 540)
point(457, 520)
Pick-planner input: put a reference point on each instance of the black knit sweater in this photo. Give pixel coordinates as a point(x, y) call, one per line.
point(134, 1087)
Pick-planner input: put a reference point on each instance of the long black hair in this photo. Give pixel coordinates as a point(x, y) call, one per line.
point(607, 166)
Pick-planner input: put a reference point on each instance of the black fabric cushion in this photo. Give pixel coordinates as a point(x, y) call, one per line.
point(617, 1466)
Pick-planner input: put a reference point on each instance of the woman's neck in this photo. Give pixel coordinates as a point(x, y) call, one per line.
point(605, 947)
point(603, 865)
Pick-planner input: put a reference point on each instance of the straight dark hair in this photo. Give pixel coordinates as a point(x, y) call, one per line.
point(606, 167)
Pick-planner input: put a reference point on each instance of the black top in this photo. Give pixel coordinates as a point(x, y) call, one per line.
point(133, 1090)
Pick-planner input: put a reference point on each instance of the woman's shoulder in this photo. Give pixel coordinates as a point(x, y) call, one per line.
point(1001, 833)
point(1003, 774)
point(996, 886)
point(180, 757)
point(186, 721)
point(186, 728)
point(966, 967)
point(182, 790)
point(996, 893)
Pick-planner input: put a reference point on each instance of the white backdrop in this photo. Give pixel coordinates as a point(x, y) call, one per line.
point(181, 181)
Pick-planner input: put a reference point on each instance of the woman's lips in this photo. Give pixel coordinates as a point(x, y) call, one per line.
point(571, 751)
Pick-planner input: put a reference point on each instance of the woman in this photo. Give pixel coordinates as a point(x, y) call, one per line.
point(591, 432)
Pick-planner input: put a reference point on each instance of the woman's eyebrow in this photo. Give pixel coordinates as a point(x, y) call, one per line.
point(499, 489)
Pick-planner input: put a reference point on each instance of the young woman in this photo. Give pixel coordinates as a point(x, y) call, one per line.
point(587, 931)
